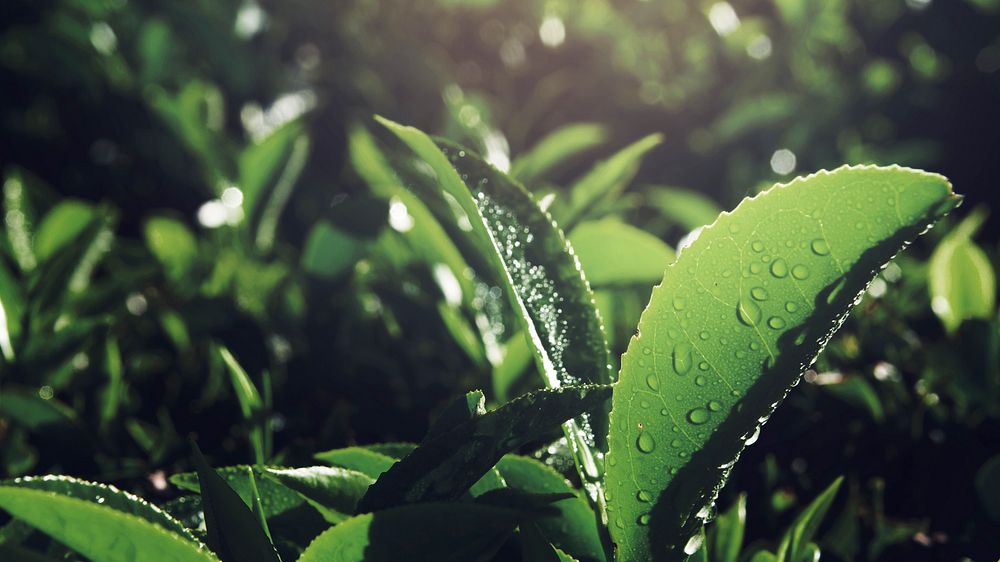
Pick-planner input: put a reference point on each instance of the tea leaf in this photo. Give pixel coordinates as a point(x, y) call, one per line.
point(99, 532)
point(105, 495)
point(740, 314)
point(540, 275)
point(962, 282)
point(334, 492)
point(615, 253)
point(446, 466)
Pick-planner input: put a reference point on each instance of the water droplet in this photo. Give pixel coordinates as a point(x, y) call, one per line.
point(664, 412)
point(644, 404)
point(704, 335)
point(748, 312)
point(791, 307)
point(698, 416)
point(820, 247)
point(759, 293)
point(714, 406)
point(800, 272)
point(776, 322)
point(700, 380)
point(755, 268)
point(645, 443)
point(646, 351)
point(703, 366)
point(679, 303)
point(643, 519)
point(653, 382)
point(779, 268)
point(675, 443)
point(682, 358)
point(673, 470)
point(618, 523)
point(757, 246)
point(644, 496)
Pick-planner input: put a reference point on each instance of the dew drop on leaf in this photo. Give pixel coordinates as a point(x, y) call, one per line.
point(644, 496)
point(791, 307)
point(714, 405)
point(759, 293)
point(748, 312)
point(700, 380)
point(652, 382)
point(682, 358)
point(757, 246)
point(776, 322)
point(679, 303)
point(645, 443)
point(820, 247)
point(698, 416)
point(800, 272)
point(643, 519)
point(779, 268)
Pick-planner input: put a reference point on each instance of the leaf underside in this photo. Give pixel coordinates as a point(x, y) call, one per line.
point(740, 315)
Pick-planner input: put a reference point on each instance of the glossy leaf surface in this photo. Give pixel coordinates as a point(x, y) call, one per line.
point(101, 533)
point(739, 316)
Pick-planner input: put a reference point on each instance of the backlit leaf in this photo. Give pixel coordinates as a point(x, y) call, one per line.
point(738, 317)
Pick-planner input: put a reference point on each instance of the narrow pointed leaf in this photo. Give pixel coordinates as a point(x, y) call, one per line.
point(257, 507)
point(251, 404)
point(795, 543)
point(689, 209)
point(414, 532)
point(98, 532)
point(727, 532)
point(740, 314)
point(233, 531)
point(446, 467)
point(541, 276)
point(606, 180)
point(555, 149)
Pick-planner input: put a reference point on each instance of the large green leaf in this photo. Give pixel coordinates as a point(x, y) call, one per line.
point(421, 533)
point(962, 282)
point(445, 467)
point(108, 496)
point(740, 314)
point(614, 253)
point(540, 275)
point(99, 532)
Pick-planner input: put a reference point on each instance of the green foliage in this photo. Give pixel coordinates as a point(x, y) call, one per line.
point(740, 315)
point(962, 282)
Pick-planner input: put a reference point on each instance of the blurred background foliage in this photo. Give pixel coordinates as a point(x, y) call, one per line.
point(185, 178)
